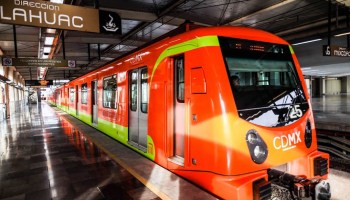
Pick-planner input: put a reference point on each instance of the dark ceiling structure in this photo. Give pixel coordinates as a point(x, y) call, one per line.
point(145, 20)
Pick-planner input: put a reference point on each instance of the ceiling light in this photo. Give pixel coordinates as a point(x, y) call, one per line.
point(49, 40)
point(51, 30)
point(45, 56)
point(341, 34)
point(305, 68)
point(47, 49)
point(57, 1)
point(309, 41)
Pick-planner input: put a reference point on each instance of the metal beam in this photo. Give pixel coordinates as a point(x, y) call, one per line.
point(146, 24)
point(20, 37)
point(15, 40)
point(240, 20)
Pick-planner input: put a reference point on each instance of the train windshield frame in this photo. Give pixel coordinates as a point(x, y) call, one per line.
point(265, 84)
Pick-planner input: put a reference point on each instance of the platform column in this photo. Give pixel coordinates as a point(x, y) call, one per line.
point(345, 85)
point(323, 86)
point(7, 93)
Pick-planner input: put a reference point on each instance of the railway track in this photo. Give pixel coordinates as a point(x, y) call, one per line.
point(337, 144)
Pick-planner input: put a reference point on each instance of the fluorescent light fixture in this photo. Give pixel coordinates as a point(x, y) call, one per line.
point(47, 49)
point(323, 73)
point(309, 41)
point(51, 30)
point(57, 1)
point(306, 68)
point(313, 70)
point(49, 40)
point(341, 34)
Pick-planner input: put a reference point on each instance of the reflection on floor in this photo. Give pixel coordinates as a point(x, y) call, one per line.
point(43, 157)
point(331, 109)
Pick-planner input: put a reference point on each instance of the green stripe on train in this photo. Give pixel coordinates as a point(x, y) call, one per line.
point(291, 49)
point(195, 43)
point(115, 131)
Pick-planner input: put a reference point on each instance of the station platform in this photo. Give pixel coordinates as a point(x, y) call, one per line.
point(332, 112)
point(47, 154)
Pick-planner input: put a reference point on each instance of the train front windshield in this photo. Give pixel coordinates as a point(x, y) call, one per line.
point(265, 85)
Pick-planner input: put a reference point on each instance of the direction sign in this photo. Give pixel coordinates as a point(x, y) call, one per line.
point(33, 62)
point(336, 51)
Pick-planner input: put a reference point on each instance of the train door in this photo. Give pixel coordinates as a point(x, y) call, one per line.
point(59, 97)
point(67, 98)
point(77, 100)
point(138, 108)
point(94, 100)
point(179, 110)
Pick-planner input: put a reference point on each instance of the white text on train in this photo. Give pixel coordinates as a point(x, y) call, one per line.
point(287, 142)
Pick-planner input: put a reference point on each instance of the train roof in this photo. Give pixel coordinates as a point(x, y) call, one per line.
point(188, 32)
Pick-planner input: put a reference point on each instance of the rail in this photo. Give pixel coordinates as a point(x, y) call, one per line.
point(334, 142)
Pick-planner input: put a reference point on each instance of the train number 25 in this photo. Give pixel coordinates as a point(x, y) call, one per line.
point(295, 112)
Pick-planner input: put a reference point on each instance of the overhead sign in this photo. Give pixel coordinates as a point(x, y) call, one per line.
point(336, 51)
point(41, 83)
point(49, 15)
point(110, 22)
point(32, 62)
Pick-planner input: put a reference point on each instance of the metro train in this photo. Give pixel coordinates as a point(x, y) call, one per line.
point(178, 102)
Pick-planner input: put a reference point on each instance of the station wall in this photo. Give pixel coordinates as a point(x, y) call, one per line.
point(333, 86)
point(11, 93)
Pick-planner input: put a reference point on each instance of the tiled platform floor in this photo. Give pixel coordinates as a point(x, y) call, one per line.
point(332, 112)
point(43, 157)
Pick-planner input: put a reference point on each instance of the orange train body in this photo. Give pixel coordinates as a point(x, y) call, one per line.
point(189, 118)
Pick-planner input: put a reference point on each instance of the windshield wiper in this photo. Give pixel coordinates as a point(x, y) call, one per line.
point(269, 107)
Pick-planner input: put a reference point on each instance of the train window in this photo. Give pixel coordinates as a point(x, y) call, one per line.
point(180, 78)
point(84, 93)
point(269, 85)
point(133, 90)
point(71, 94)
point(110, 92)
point(144, 90)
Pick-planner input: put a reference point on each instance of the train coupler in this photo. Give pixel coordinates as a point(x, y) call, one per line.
point(301, 187)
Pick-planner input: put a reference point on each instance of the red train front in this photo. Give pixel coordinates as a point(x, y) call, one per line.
point(223, 107)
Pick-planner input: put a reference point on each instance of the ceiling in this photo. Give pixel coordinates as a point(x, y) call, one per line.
point(145, 20)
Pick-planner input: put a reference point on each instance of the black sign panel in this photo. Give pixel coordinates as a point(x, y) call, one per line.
point(42, 83)
point(110, 22)
point(33, 62)
point(336, 51)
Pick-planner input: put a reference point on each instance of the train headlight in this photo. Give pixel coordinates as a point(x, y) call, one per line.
point(259, 152)
point(308, 134)
point(257, 147)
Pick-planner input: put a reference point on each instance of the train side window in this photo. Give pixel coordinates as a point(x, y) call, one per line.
point(110, 92)
point(84, 93)
point(133, 90)
point(180, 78)
point(71, 94)
point(144, 90)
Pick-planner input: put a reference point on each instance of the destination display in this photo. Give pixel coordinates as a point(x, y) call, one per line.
point(50, 15)
point(336, 51)
point(41, 83)
point(32, 62)
point(254, 46)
